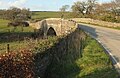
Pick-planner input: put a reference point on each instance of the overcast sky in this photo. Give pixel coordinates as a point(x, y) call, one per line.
point(39, 5)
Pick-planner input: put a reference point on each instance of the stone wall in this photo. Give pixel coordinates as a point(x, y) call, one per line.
point(67, 50)
point(61, 26)
point(97, 22)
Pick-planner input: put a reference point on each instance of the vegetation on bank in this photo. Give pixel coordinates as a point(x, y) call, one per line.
point(22, 62)
point(87, 60)
point(95, 63)
point(70, 55)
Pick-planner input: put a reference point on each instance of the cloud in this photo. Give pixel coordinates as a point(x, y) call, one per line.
point(0, 2)
point(39, 7)
point(16, 3)
point(3, 4)
point(79, 0)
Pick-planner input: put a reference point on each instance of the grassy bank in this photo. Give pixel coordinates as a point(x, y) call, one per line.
point(95, 63)
point(25, 62)
point(86, 61)
point(72, 56)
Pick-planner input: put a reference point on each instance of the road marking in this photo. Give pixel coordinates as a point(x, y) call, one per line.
point(108, 51)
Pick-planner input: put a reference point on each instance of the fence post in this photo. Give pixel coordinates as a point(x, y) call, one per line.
point(19, 38)
point(22, 28)
point(8, 48)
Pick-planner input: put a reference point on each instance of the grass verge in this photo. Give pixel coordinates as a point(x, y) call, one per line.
point(82, 58)
point(95, 63)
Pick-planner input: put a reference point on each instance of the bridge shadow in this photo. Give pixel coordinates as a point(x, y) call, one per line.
point(47, 30)
point(51, 32)
point(89, 30)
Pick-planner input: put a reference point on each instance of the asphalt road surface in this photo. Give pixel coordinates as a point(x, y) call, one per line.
point(109, 38)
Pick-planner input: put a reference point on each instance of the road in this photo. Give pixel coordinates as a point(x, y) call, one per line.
point(109, 38)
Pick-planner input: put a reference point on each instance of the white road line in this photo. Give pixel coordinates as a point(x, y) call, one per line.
point(108, 51)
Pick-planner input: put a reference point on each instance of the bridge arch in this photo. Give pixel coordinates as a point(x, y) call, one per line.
point(54, 26)
point(51, 32)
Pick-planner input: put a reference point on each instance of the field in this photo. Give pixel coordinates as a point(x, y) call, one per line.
point(43, 15)
point(11, 35)
point(4, 28)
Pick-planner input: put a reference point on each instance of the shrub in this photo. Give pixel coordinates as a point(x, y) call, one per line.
point(17, 65)
point(108, 18)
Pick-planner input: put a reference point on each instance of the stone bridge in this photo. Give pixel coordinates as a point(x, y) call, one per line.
point(55, 26)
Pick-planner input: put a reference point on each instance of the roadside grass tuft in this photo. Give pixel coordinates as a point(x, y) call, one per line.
point(95, 63)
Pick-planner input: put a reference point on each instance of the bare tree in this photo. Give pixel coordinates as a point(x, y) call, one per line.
point(103, 8)
point(78, 7)
point(64, 8)
point(84, 7)
point(90, 6)
point(118, 2)
point(112, 7)
point(117, 7)
point(17, 14)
